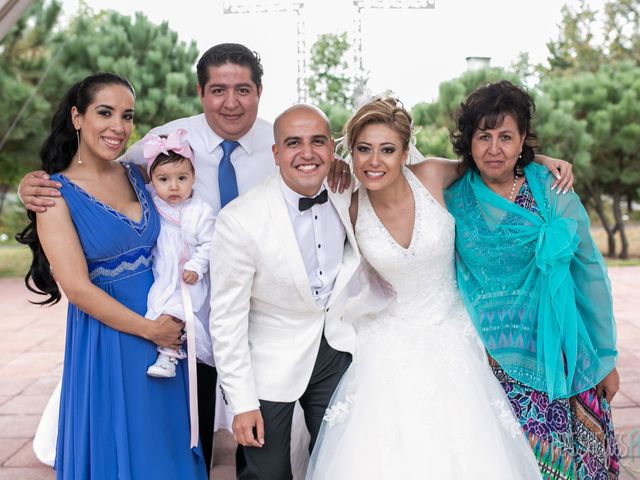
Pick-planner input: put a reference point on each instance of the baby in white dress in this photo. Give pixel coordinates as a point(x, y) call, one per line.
point(181, 254)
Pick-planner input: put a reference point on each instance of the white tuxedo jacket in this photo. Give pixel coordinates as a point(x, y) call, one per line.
point(265, 325)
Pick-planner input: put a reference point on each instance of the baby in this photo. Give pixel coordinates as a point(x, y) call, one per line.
point(181, 254)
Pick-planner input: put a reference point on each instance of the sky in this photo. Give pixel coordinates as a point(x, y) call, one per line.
point(406, 51)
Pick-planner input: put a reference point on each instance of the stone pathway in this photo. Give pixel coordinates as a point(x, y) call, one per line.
point(625, 283)
point(32, 344)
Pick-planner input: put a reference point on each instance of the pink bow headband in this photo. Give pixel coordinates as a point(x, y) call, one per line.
point(175, 142)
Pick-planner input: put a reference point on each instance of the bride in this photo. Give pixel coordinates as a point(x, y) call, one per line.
point(419, 400)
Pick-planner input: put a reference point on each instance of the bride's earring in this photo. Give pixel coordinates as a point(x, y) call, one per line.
point(78, 137)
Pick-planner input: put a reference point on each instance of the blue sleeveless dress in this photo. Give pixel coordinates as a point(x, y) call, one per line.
point(115, 421)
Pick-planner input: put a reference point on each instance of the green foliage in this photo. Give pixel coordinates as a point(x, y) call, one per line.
point(596, 116)
point(338, 116)
point(24, 117)
point(599, 104)
point(587, 112)
point(13, 219)
point(588, 36)
point(155, 61)
point(561, 134)
point(440, 113)
point(575, 49)
point(14, 260)
point(39, 61)
point(433, 141)
point(330, 82)
point(435, 120)
point(622, 24)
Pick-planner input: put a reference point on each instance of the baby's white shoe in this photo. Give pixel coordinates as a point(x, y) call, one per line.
point(165, 366)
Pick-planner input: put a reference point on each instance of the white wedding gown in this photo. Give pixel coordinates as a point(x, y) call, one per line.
point(419, 400)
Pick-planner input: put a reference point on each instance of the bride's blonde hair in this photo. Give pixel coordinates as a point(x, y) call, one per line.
point(386, 110)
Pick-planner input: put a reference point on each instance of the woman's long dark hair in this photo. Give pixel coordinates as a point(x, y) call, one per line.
point(56, 153)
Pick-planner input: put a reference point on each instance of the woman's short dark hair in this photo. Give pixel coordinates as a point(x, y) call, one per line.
point(56, 154)
point(488, 106)
point(229, 53)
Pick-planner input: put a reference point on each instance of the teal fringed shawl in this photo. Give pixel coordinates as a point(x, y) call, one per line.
point(535, 285)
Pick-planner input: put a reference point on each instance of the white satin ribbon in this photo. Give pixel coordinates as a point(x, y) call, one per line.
point(191, 362)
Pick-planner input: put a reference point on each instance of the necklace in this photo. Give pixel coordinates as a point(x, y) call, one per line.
point(513, 189)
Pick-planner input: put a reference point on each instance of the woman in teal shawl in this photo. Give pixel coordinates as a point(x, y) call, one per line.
point(536, 287)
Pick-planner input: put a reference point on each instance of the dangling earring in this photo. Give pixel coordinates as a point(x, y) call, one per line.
point(78, 137)
point(519, 170)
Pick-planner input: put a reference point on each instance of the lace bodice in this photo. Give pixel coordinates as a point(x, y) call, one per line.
point(423, 275)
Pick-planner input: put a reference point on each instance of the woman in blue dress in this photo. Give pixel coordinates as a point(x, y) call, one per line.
point(115, 421)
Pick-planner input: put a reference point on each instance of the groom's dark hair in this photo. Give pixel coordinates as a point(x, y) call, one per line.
point(229, 53)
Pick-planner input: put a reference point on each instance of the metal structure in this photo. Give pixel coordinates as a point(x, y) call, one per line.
point(297, 6)
point(359, 6)
point(10, 12)
point(478, 63)
point(265, 6)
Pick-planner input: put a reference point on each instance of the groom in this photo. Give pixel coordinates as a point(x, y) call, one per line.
point(279, 279)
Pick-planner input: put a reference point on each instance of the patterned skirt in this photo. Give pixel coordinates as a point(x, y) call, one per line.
point(572, 438)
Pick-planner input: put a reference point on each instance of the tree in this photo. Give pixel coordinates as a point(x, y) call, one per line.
point(436, 119)
point(434, 141)
point(331, 85)
point(576, 49)
point(523, 69)
point(156, 62)
point(606, 106)
point(24, 58)
point(39, 60)
point(587, 36)
point(338, 116)
point(622, 27)
point(330, 81)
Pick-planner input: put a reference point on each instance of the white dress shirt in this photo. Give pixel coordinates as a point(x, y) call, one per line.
point(321, 236)
point(253, 160)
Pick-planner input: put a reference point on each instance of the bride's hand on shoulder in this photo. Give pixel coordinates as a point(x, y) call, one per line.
point(561, 170)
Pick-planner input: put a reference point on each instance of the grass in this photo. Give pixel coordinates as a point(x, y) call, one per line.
point(14, 260)
point(632, 231)
point(616, 262)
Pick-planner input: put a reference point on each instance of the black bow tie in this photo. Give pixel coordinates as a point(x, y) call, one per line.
point(305, 203)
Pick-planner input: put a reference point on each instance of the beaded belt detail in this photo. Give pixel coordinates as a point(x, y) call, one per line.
point(116, 268)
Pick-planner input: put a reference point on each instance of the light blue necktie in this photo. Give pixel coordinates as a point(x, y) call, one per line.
point(227, 183)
